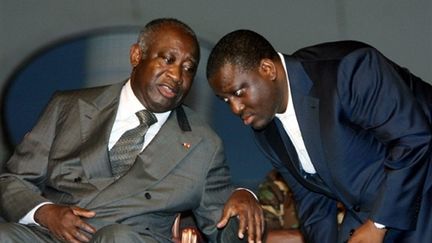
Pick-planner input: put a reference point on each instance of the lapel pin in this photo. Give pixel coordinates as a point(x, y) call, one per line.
point(186, 145)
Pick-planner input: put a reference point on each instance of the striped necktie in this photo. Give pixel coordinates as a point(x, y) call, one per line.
point(125, 151)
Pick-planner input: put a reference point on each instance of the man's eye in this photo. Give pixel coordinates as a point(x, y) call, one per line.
point(168, 59)
point(188, 68)
point(239, 92)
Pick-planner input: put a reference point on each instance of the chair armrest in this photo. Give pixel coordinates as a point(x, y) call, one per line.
point(185, 234)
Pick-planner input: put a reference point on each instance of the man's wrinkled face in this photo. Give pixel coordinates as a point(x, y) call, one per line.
point(250, 94)
point(163, 76)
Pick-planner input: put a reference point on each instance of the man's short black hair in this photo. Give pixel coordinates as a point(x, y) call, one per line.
point(243, 48)
point(145, 37)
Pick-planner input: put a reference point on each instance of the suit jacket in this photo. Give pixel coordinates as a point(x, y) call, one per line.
point(368, 135)
point(64, 159)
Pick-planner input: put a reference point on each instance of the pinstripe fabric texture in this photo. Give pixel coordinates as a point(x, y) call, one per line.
point(127, 148)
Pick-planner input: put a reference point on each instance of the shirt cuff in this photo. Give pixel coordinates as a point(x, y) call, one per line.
point(251, 192)
point(29, 217)
point(379, 226)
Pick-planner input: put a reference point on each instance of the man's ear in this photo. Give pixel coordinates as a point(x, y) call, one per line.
point(267, 68)
point(135, 55)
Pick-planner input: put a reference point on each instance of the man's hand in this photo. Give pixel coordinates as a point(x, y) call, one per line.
point(65, 222)
point(249, 212)
point(368, 233)
point(188, 235)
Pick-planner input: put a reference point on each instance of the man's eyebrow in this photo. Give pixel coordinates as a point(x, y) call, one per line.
point(194, 60)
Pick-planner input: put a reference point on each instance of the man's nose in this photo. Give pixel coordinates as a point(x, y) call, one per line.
point(236, 107)
point(175, 73)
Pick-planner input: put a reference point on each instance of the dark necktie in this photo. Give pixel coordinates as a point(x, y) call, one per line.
point(124, 152)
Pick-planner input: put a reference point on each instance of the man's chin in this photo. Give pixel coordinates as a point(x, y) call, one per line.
point(161, 108)
point(259, 125)
point(163, 105)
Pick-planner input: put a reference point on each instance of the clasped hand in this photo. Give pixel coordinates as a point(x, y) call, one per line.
point(65, 222)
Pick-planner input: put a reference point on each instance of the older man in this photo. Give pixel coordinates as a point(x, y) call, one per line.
point(117, 163)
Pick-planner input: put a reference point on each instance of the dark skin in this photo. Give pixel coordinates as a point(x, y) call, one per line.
point(187, 235)
point(66, 222)
point(256, 96)
point(366, 233)
point(160, 79)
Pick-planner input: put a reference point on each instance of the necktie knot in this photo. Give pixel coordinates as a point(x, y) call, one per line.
point(146, 117)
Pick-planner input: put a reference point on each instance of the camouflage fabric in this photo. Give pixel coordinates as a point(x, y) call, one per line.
point(277, 202)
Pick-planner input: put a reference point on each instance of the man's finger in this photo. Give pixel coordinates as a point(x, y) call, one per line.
point(225, 218)
point(188, 236)
point(68, 237)
point(242, 226)
point(86, 227)
point(81, 236)
point(259, 228)
point(83, 212)
point(176, 227)
point(251, 228)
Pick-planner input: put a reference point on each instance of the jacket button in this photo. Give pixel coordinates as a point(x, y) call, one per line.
point(356, 208)
point(147, 195)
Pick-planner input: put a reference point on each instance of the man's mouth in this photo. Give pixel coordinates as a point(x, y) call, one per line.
point(168, 91)
point(247, 119)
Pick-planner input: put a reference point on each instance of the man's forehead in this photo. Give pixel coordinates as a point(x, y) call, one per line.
point(189, 55)
point(224, 73)
point(226, 77)
point(176, 42)
point(229, 68)
point(232, 70)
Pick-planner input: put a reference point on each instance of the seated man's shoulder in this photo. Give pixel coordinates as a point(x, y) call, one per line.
point(199, 126)
point(91, 91)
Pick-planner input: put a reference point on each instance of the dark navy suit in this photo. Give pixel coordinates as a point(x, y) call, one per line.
point(366, 124)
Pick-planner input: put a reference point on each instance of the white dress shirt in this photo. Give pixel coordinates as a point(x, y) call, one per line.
point(126, 118)
point(291, 126)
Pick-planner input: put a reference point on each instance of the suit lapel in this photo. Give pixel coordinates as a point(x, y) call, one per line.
point(271, 141)
point(154, 163)
point(96, 118)
point(172, 139)
point(275, 141)
point(307, 110)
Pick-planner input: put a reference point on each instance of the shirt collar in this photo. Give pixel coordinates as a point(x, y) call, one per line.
point(129, 105)
point(290, 107)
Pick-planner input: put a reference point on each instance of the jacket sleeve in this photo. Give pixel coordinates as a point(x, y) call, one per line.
point(317, 212)
point(216, 191)
point(22, 185)
point(375, 98)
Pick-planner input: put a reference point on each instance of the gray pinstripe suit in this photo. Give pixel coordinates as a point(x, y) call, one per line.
point(64, 159)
